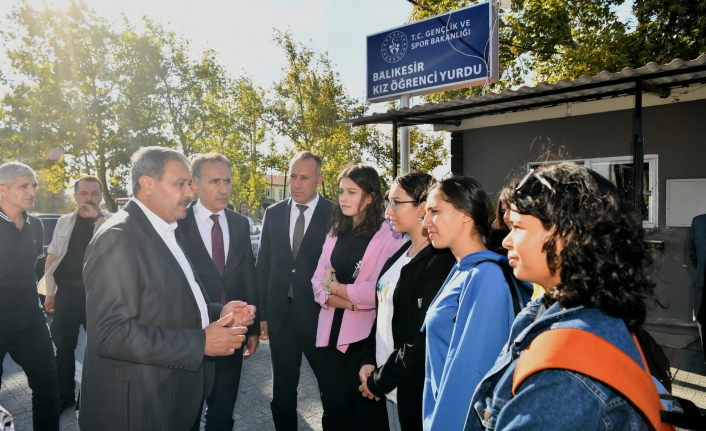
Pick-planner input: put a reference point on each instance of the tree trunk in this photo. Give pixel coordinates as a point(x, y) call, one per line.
point(102, 174)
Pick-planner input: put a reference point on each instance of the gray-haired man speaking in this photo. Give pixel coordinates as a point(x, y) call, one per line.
point(147, 315)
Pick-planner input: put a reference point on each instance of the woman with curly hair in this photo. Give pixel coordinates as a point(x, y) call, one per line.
point(573, 234)
point(469, 320)
point(359, 244)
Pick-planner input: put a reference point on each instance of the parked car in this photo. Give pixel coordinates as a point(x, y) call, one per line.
point(121, 202)
point(255, 243)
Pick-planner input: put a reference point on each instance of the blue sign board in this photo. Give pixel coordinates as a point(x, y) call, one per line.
point(454, 50)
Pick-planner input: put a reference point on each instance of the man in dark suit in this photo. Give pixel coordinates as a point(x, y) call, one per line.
point(223, 260)
point(293, 234)
point(696, 242)
point(147, 316)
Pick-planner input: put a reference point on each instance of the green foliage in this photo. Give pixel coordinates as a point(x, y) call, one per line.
point(668, 29)
point(81, 88)
point(67, 96)
point(427, 152)
point(310, 99)
point(250, 127)
point(98, 95)
point(308, 102)
point(549, 40)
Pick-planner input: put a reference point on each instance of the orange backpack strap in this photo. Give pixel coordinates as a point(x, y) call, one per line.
point(590, 355)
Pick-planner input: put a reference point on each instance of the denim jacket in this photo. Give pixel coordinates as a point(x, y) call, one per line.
point(553, 399)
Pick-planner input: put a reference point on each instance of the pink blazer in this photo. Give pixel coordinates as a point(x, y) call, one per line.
point(356, 325)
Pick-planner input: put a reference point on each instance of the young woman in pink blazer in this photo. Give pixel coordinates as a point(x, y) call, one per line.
point(359, 244)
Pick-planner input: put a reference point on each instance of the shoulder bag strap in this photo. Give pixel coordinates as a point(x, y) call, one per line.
point(588, 354)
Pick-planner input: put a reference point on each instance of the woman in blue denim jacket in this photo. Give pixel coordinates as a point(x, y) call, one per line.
point(573, 234)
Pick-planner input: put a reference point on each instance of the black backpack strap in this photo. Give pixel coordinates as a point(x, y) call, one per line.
point(690, 419)
point(511, 282)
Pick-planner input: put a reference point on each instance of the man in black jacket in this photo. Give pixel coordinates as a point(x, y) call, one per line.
point(23, 324)
point(293, 234)
point(217, 241)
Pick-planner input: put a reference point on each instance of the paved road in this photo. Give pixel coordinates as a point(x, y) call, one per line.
point(252, 411)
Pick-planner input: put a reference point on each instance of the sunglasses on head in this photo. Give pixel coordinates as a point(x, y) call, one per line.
point(534, 174)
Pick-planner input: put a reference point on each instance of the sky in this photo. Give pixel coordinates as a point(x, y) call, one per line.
point(240, 31)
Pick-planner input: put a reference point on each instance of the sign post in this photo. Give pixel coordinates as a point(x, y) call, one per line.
point(405, 102)
point(445, 52)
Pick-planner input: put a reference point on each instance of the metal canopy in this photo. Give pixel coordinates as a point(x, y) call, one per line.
point(654, 78)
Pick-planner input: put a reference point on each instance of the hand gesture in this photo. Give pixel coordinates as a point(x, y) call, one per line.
point(88, 210)
point(222, 338)
point(243, 314)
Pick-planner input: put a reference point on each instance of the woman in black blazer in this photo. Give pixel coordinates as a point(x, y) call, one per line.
point(393, 358)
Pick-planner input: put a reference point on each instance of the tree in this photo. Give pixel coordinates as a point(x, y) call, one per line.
point(548, 40)
point(67, 95)
point(669, 29)
point(427, 151)
point(187, 95)
point(97, 95)
point(249, 114)
point(276, 161)
point(309, 102)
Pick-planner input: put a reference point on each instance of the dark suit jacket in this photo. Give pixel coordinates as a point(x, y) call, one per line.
point(696, 242)
point(238, 279)
point(144, 365)
point(277, 269)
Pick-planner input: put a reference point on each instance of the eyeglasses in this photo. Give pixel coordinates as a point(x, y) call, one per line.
point(393, 204)
point(534, 174)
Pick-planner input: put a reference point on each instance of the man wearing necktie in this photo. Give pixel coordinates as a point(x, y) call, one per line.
point(217, 241)
point(293, 234)
point(149, 339)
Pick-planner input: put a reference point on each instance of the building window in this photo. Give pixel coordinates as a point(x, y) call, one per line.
point(267, 193)
point(280, 195)
point(618, 170)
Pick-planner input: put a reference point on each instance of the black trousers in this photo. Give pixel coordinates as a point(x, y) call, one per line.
point(221, 402)
point(346, 408)
point(31, 349)
point(286, 348)
point(69, 315)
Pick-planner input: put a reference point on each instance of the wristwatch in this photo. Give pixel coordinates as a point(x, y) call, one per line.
point(98, 217)
point(327, 287)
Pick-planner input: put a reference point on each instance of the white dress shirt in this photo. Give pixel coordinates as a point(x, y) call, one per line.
point(166, 232)
point(294, 215)
point(205, 224)
point(252, 226)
